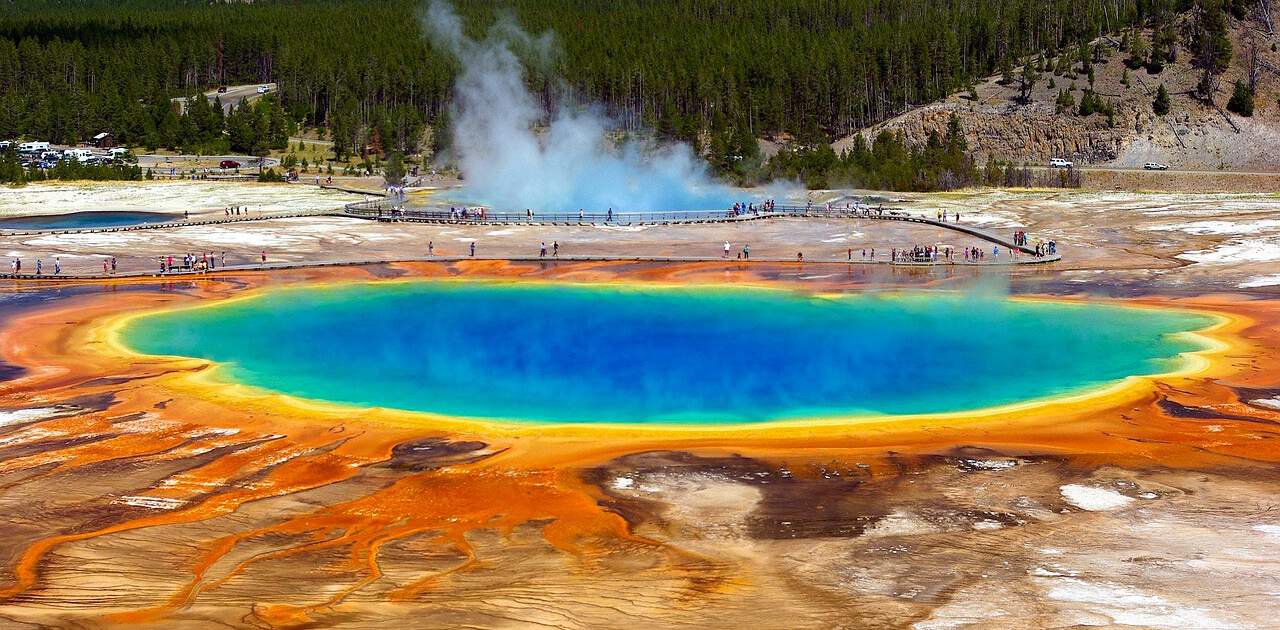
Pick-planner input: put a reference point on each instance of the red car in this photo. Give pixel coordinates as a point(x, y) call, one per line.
point(228, 164)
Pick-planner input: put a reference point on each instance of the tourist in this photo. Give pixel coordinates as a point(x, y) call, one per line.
point(105, 265)
point(726, 249)
point(608, 217)
point(850, 253)
point(223, 261)
point(473, 248)
point(555, 248)
point(799, 256)
point(57, 265)
point(161, 258)
point(542, 251)
point(431, 248)
point(264, 256)
point(580, 215)
point(746, 252)
point(39, 266)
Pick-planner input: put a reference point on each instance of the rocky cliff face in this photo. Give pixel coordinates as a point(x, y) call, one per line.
point(1011, 133)
point(1193, 135)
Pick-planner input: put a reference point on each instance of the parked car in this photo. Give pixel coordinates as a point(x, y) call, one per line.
point(263, 89)
point(1155, 166)
point(27, 147)
point(228, 164)
point(222, 89)
point(1061, 163)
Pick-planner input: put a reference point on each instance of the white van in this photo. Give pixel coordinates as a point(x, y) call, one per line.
point(33, 147)
point(79, 155)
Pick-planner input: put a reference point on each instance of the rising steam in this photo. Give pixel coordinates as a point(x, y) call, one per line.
point(568, 165)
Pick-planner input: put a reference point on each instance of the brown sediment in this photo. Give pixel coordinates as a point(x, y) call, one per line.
point(357, 485)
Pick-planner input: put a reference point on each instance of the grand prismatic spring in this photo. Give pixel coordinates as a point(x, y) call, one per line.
point(617, 354)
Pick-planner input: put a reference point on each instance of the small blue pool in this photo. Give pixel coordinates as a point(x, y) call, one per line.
point(81, 220)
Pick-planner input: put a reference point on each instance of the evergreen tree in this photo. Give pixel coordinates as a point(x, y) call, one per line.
point(1161, 105)
point(1241, 100)
point(393, 173)
point(1138, 51)
point(1027, 82)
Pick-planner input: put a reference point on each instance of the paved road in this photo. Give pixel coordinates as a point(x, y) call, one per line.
point(1171, 171)
point(234, 95)
point(165, 161)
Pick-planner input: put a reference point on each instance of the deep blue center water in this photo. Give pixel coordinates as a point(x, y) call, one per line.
point(77, 220)
point(634, 354)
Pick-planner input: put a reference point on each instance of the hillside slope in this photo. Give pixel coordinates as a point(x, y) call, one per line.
point(1193, 135)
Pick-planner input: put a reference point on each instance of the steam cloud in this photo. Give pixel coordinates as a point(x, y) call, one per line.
point(569, 166)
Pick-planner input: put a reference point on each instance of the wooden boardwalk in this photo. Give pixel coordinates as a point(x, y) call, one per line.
point(382, 210)
point(364, 262)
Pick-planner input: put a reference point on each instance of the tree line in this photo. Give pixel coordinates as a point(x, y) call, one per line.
point(715, 73)
point(70, 68)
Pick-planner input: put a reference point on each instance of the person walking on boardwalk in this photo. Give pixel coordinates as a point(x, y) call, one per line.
point(726, 249)
point(555, 248)
point(113, 264)
point(473, 248)
point(39, 266)
point(431, 248)
point(57, 265)
point(542, 251)
point(746, 251)
point(264, 256)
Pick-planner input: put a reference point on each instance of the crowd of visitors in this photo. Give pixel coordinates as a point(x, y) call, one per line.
point(206, 261)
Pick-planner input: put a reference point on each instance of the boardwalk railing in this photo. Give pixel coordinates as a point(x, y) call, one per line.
point(385, 210)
